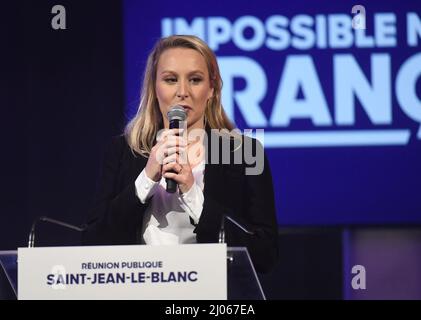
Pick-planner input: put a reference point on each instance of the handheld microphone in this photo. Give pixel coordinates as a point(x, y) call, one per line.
point(176, 115)
point(31, 242)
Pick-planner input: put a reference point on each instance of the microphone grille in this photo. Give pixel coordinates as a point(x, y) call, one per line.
point(177, 112)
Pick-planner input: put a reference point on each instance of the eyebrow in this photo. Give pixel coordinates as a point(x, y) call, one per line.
point(190, 73)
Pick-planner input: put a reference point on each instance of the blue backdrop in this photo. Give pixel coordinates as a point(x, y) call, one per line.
point(335, 87)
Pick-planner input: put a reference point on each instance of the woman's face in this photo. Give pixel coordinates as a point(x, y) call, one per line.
point(182, 78)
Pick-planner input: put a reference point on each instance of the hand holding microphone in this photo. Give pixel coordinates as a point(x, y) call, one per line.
point(168, 157)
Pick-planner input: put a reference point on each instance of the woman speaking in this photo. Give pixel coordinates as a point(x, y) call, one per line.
point(168, 143)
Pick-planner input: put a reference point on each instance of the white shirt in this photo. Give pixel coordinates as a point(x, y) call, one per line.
point(167, 219)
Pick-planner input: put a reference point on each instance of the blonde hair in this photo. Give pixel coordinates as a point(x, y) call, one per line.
point(141, 131)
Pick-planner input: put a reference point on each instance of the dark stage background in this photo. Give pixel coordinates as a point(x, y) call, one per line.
point(63, 102)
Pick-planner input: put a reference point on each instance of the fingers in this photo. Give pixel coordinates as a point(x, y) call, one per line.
point(171, 138)
point(172, 167)
point(174, 151)
point(181, 159)
point(174, 176)
point(174, 171)
point(171, 154)
point(174, 141)
point(182, 178)
point(170, 142)
point(171, 158)
point(173, 164)
point(164, 134)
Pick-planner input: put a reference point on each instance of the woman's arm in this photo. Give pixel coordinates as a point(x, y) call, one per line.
point(261, 216)
point(250, 201)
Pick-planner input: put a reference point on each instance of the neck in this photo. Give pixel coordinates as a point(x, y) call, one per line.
point(197, 125)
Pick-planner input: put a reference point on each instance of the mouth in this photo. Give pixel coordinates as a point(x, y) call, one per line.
point(185, 107)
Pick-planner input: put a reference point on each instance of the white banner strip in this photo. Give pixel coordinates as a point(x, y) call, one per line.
point(335, 138)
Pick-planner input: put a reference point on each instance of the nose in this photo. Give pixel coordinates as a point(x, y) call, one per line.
point(182, 90)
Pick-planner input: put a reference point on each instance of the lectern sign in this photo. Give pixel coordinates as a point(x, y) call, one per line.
point(194, 271)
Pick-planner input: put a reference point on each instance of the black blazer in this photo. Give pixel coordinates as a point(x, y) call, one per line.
point(116, 218)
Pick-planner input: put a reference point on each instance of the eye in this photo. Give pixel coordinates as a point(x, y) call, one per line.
point(196, 80)
point(170, 80)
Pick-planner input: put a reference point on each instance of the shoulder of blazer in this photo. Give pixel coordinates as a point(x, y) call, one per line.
point(118, 144)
